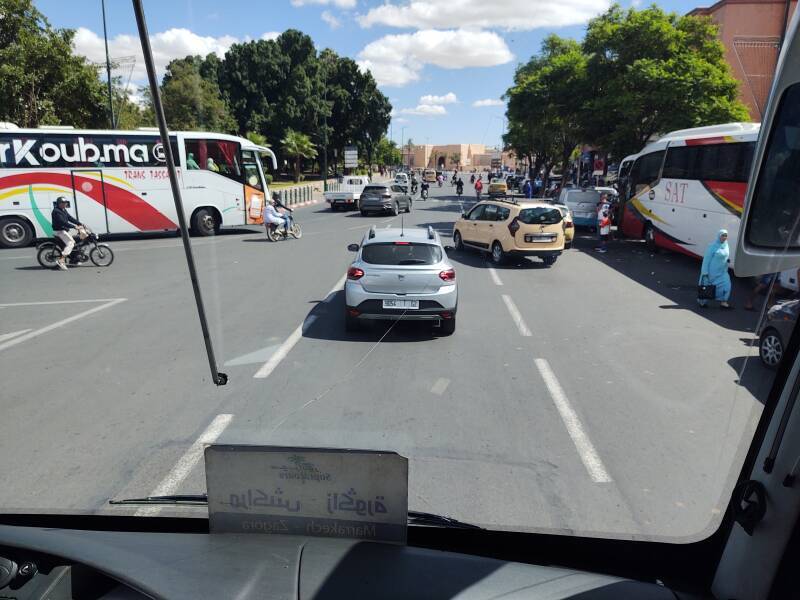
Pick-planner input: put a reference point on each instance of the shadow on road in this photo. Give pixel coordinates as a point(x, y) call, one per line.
point(480, 260)
point(753, 376)
point(328, 324)
point(671, 275)
point(34, 268)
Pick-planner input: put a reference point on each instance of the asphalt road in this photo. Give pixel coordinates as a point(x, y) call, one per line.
point(591, 397)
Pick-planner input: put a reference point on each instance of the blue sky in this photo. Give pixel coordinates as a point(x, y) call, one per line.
point(415, 48)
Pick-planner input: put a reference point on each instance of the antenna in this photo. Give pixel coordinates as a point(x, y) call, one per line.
point(402, 230)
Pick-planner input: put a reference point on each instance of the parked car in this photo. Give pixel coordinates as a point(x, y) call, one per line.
point(498, 188)
point(350, 193)
point(775, 332)
point(504, 228)
point(582, 202)
point(401, 274)
point(385, 198)
point(569, 225)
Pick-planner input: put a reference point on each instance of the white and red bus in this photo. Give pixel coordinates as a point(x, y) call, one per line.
point(117, 182)
point(689, 184)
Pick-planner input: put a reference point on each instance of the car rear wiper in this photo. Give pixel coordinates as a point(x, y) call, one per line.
point(178, 499)
point(414, 517)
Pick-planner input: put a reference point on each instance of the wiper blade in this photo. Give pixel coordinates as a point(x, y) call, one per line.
point(425, 518)
point(414, 517)
point(177, 499)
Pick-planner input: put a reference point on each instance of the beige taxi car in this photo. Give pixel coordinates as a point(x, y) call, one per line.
point(512, 228)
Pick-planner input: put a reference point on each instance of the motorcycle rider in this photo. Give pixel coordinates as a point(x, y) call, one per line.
point(459, 186)
point(424, 189)
point(413, 183)
point(272, 216)
point(472, 178)
point(62, 229)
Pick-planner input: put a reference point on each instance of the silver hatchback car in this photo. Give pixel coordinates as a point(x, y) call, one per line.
point(401, 274)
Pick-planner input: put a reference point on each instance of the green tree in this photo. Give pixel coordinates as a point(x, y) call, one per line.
point(387, 152)
point(257, 138)
point(41, 80)
point(650, 72)
point(192, 102)
point(298, 146)
point(455, 158)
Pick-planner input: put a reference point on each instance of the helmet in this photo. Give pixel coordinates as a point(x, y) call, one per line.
point(275, 196)
point(61, 199)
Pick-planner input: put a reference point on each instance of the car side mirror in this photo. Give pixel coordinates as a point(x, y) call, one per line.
point(353, 247)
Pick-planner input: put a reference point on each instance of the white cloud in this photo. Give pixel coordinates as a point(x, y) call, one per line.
point(400, 120)
point(167, 45)
point(512, 15)
point(448, 98)
point(331, 19)
point(270, 35)
point(427, 110)
point(339, 3)
point(396, 60)
point(488, 102)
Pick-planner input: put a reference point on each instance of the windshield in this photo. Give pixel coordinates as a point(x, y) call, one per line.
point(600, 378)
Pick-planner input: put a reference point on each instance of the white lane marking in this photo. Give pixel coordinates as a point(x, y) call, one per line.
point(283, 350)
point(589, 456)
point(13, 257)
point(495, 277)
point(388, 225)
point(9, 304)
point(13, 334)
point(515, 314)
point(387, 220)
point(169, 485)
point(57, 324)
point(440, 386)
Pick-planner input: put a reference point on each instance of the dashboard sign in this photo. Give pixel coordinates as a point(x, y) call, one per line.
point(321, 492)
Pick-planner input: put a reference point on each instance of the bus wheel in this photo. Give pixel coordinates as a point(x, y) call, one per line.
point(204, 222)
point(15, 233)
point(650, 238)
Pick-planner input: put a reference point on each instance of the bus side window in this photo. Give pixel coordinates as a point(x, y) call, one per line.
point(252, 177)
point(681, 162)
point(646, 170)
point(774, 210)
point(218, 156)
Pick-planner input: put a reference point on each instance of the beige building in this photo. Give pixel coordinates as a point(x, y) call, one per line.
point(450, 156)
point(751, 31)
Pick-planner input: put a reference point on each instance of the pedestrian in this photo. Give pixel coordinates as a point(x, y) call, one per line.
point(527, 189)
point(714, 270)
point(478, 189)
point(604, 230)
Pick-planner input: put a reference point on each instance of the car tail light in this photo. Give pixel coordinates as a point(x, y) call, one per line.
point(446, 315)
point(354, 273)
point(449, 275)
point(513, 227)
point(569, 225)
point(386, 195)
point(353, 312)
point(402, 243)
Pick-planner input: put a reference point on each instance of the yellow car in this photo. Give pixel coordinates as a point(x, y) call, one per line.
point(506, 228)
point(498, 188)
point(569, 225)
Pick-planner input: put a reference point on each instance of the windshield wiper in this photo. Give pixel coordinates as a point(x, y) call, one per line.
point(414, 517)
point(434, 520)
point(178, 499)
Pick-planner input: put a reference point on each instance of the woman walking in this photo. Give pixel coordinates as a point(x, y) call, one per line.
point(715, 270)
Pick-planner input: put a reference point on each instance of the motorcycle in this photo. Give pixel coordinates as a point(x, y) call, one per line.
point(459, 190)
point(413, 187)
point(276, 232)
point(424, 193)
point(48, 253)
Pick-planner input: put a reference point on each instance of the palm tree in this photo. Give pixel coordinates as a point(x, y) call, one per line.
point(455, 158)
point(257, 139)
point(409, 146)
point(298, 146)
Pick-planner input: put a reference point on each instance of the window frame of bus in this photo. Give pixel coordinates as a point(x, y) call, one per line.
point(203, 165)
point(765, 206)
point(261, 186)
point(636, 168)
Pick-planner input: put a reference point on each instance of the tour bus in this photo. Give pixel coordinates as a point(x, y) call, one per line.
point(686, 186)
point(117, 181)
point(429, 175)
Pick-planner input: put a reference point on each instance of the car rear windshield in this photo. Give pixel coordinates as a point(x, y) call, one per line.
point(401, 253)
point(541, 215)
point(587, 196)
point(376, 189)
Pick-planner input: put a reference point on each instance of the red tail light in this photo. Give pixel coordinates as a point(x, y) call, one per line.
point(354, 273)
point(569, 225)
point(513, 227)
point(353, 312)
point(449, 275)
point(447, 315)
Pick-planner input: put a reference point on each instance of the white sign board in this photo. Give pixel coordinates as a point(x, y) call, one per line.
point(307, 491)
point(350, 157)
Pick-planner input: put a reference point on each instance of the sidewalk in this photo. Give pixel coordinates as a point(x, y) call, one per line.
point(304, 194)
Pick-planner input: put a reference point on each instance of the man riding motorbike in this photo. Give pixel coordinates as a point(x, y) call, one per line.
point(472, 178)
point(62, 229)
point(459, 186)
point(413, 183)
point(424, 190)
point(272, 216)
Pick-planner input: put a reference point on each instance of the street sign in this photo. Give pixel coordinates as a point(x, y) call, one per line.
point(350, 157)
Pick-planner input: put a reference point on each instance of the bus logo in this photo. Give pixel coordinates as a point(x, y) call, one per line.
point(158, 152)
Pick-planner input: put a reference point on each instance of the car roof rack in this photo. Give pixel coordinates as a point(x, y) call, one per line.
point(431, 234)
point(371, 233)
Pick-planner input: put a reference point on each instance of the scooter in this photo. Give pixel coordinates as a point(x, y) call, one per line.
point(424, 193)
point(276, 232)
point(86, 248)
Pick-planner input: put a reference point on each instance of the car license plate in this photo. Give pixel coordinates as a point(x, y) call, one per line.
point(539, 237)
point(404, 304)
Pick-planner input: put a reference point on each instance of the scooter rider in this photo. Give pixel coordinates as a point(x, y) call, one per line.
point(413, 183)
point(271, 214)
point(459, 186)
point(62, 229)
point(424, 189)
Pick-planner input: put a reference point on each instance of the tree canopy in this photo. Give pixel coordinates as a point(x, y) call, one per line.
point(637, 73)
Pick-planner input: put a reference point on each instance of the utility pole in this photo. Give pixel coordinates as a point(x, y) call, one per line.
point(402, 144)
point(108, 69)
